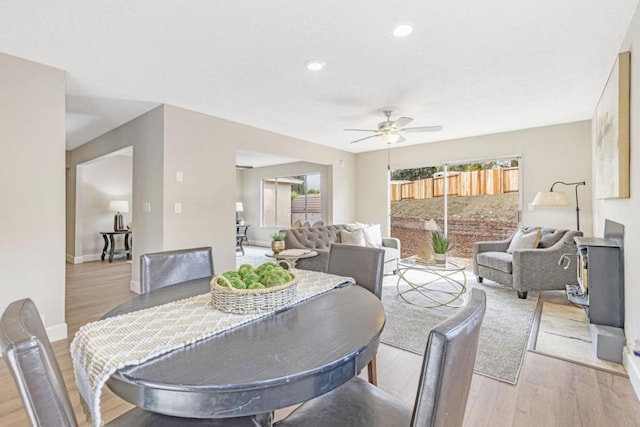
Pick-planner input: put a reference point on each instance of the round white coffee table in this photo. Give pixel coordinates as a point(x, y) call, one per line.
point(431, 285)
point(292, 255)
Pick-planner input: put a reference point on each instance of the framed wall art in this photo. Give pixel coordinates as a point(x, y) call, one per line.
point(612, 134)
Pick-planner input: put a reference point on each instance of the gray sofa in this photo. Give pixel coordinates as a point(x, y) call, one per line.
point(527, 269)
point(320, 239)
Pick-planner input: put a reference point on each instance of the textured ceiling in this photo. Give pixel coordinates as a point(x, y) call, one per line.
point(472, 67)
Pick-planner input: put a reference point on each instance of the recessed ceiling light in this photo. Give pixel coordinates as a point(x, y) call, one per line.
point(402, 30)
point(314, 65)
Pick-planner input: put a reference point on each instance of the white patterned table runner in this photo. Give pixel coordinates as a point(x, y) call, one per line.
point(100, 348)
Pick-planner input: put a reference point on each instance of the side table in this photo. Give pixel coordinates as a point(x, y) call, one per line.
point(431, 285)
point(110, 245)
point(293, 255)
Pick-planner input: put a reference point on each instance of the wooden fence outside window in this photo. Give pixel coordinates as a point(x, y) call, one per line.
point(474, 183)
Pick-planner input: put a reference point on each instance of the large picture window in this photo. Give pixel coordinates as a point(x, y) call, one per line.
point(291, 201)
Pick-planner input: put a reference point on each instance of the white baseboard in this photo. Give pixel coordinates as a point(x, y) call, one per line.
point(632, 365)
point(91, 257)
point(57, 332)
point(73, 259)
point(134, 286)
point(81, 259)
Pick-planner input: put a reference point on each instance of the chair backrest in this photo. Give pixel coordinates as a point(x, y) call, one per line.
point(365, 265)
point(162, 269)
point(28, 353)
point(448, 366)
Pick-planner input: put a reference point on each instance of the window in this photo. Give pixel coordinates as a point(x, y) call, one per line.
point(291, 201)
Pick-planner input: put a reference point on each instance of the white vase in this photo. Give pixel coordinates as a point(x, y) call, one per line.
point(440, 258)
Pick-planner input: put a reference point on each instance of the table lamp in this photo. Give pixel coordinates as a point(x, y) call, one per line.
point(118, 206)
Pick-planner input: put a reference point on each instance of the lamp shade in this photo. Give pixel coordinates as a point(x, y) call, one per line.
point(239, 207)
point(551, 198)
point(119, 206)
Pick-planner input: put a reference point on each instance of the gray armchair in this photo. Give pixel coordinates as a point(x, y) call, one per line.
point(527, 269)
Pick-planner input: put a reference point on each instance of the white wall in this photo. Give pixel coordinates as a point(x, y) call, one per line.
point(251, 191)
point(32, 218)
point(626, 211)
point(170, 139)
point(106, 179)
point(550, 153)
point(342, 175)
point(146, 135)
point(197, 145)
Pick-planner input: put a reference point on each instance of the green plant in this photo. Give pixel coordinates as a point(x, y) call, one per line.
point(440, 244)
point(278, 237)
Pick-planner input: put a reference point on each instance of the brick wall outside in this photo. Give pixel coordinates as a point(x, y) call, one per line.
point(462, 233)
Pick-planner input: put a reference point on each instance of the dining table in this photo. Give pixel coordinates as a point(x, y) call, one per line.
point(287, 357)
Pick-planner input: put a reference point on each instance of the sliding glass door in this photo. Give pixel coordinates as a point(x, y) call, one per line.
point(467, 202)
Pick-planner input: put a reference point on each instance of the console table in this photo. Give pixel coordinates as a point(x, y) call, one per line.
point(110, 245)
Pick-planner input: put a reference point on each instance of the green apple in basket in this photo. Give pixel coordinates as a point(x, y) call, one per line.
point(251, 278)
point(263, 269)
point(234, 278)
point(244, 270)
point(276, 277)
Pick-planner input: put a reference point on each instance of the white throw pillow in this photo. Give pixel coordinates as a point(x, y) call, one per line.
point(373, 236)
point(354, 238)
point(522, 240)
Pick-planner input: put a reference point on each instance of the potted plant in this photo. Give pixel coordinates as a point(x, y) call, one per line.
point(277, 243)
point(441, 246)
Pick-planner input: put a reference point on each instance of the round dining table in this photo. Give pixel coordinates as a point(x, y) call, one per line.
point(278, 360)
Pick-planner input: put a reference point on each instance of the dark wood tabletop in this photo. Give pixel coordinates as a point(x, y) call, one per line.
point(274, 362)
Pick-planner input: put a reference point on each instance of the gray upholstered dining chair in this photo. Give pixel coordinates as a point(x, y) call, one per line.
point(30, 358)
point(366, 266)
point(443, 389)
point(161, 269)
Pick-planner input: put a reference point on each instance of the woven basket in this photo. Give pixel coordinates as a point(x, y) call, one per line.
point(248, 301)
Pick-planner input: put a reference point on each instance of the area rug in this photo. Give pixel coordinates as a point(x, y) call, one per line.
point(503, 335)
point(253, 255)
point(563, 333)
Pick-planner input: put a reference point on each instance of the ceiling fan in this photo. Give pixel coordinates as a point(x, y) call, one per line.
point(390, 131)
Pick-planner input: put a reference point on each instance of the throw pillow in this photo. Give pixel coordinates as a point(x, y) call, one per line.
point(550, 238)
point(373, 236)
point(354, 238)
point(522, 240)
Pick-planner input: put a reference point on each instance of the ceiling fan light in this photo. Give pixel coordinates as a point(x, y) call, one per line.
point(402, 30)
point(390, 137)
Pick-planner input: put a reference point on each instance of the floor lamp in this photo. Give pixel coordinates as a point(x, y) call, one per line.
point(558, 198)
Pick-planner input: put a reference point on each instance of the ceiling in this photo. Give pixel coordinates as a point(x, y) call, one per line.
point(473, 67)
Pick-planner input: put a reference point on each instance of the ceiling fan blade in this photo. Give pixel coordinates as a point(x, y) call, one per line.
point(423, 129)
point(361, 130)
point(402, 121)
point(366, 137)
point(401, 139)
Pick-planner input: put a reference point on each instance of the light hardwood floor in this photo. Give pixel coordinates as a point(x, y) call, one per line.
point(549, 392)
